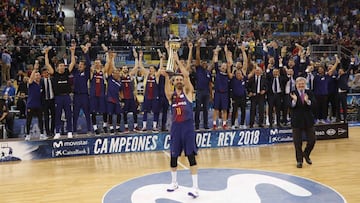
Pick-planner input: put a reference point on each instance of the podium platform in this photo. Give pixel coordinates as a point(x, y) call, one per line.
point(84, 144)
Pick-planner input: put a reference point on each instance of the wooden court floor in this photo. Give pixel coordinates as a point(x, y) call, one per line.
point(336, 163)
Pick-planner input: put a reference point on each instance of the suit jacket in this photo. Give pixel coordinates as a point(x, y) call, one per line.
point(252, 84)
point(270, 80)
point(42, 84)
point(301, 115)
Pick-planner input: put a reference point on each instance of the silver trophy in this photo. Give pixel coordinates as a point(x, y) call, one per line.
point(174, 46)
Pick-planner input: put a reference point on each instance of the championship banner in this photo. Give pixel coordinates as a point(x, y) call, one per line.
point(110, 144)
point(353, 107)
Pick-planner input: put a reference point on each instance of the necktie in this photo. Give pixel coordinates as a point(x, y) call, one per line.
point(309, 81)
point(302, 96)
point(257, 84)
point(48, 88)
point(275, 86)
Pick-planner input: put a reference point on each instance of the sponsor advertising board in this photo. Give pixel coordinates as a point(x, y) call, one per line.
point(109, 144)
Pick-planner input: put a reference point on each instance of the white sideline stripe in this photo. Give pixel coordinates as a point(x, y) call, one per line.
point(179, 163)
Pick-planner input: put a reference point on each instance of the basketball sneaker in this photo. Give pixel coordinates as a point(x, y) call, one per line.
point(214, 127)
point(137, 129)
point(69, 135)
point(194, 193)
point(225, 127)
point(57, 136)
point(97, 132)
point(112, 131)
point(27, 137)
point(43, 137)
point(172, 187)
point(155, 130)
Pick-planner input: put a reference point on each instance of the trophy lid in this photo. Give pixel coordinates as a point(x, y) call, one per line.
point(174, 38)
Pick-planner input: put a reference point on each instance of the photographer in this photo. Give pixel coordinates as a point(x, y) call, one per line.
point(6, 118)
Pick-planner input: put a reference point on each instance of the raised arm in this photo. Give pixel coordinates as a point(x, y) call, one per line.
point(333, 67)
point(73, 59)
point(189, 89)
point(188, 64)
point(34, 71)
point(229, 60)
point(197, 54)
point(245, 59)
point(161, 57)
point(229, 72)
point(134, 70)
point(47, 63)
point(215, 58)
point(142, 69)
point(168, 86)
point(86, 55)
point(110, 64)
point(158, 72)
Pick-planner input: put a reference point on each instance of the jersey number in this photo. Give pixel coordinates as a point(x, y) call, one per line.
point(178, 111)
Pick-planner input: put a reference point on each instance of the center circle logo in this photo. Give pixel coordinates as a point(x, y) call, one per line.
point(224, 185)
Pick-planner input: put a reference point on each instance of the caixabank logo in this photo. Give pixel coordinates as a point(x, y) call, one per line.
point(224, 185)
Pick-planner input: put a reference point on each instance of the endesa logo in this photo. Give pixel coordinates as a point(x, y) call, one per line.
point(331, 132)
point(341, 131)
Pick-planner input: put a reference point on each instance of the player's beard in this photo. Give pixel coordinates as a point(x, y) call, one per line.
point(179, 86)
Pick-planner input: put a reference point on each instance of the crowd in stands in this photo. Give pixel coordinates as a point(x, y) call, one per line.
point(212, 23)
point(119, 22)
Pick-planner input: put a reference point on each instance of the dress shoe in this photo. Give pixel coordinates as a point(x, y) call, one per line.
point(299, 165)
point(307, 159)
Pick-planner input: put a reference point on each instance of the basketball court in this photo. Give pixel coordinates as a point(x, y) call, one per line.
point(234, 174)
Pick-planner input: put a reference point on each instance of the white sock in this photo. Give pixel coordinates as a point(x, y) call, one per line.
point(135, 125)
point(224, 122)
point(95, 127)
point(195, 181)
point(154, 124)
point(144, 124)
point(173, 176)
point(236, 122)
point(126, 125)
point(214, 122)
point(111, 127)
point(104, 124)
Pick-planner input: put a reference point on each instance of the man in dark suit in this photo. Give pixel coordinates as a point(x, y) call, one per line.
point(257, 89)
point(302, 121)
point(275, 95)
point(60, 15)
point(48, 102)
